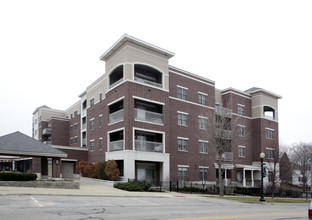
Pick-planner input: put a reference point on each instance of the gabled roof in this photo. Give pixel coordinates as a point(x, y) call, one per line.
point(20, 144)
point(127, 38)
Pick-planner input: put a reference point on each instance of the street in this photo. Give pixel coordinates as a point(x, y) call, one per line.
point(15, 207)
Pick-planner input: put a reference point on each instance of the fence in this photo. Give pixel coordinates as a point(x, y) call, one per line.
point(196, 187)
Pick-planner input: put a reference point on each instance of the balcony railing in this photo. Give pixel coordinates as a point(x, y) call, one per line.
point(116, 145)
point(223, 111)
point(115, 83)
point(46, 131)
point(221, 133)
point(148, 146)
point(227, 156)
point(148, 82)
point(84, 126)
point(116, 116)
point(84, 141)
point(148, 116)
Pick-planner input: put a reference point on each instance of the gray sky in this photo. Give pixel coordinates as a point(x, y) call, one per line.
point(49, 50)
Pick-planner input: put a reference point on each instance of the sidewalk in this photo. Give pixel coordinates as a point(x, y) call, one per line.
point(87, 189)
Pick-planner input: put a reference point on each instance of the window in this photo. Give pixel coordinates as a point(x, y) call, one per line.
point(270, 153)
point(101, 143)
point(71, 128)
point(202, 99)
point(101, 121)
point(202, 122)
point(101, 98)
point(71, 141)
point(75, 113)
point(182, 118)
point(75, 126)
point(269, 133)
point(183, 173)
point(241, 151)
point(182, 93)
point(241, 130)
point(75, 140)
point(203, 147)
point(71, 115)
point(92, 103)
point(92, 145)
point(183, 144)
point(203, 173)
point(240, 109)
point(92, 124)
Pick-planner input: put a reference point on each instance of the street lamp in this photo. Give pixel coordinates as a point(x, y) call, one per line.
point(262, 155)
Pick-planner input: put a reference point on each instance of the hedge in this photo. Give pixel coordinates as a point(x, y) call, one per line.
point(11, 176)
point(133, 186)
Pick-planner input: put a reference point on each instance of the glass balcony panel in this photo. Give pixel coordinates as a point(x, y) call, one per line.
point(116, 145)
point(143, 115)
point(116, 116)
point(223, 111)
point(148, 146)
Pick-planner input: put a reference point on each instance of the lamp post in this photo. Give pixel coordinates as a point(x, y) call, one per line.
point(262, 155)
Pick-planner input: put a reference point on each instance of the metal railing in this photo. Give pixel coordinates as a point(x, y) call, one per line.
point(148, 146)
point(116, 145)
point(223, 111)
point(221, 133)
point(116, 116)
point(141, 114)
point(138, 79)
point(227, 156)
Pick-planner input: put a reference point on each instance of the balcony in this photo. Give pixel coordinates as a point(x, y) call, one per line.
point(116, 145)
point(221, 133)
point(84, 141)
point(46, 131)
point(116, 116)
point(227, 156)
point(115, 83)
point(148, 116)
point(226, 112)
point(148, 146)
point(145, 81)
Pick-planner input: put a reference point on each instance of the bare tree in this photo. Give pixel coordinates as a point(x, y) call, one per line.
point(301, 155)
point(224, 130)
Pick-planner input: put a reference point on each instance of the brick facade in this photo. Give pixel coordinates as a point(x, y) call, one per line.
point(161, 95)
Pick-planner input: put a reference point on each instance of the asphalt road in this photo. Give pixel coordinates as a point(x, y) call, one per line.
point(142, 208)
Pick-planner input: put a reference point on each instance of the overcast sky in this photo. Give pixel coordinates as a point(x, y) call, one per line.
point(49, 50)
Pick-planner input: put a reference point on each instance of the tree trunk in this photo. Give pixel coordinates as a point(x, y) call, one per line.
point(221, 187)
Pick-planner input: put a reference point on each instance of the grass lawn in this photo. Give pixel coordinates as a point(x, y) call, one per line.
point(267, 199)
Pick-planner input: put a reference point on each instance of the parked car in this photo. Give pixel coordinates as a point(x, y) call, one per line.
point(310, 210)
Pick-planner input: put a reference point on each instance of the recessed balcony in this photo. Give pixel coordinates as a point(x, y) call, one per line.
point(147, 75)
point(221, 133)
point(116, 112)
point(116, 145)
point(148, 141)
point(148, 111)
point(46, 131)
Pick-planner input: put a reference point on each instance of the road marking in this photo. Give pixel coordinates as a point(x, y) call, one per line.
point(145, 201)
point(241, 216)
point(36, 201)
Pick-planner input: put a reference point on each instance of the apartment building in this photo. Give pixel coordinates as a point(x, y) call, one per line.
point(156, 121)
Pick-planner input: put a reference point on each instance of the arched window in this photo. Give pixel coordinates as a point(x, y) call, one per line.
point(269, 112)
point(147, 75)
point(116, 76)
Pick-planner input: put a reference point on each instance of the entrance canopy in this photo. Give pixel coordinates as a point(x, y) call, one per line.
point(19, 144)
